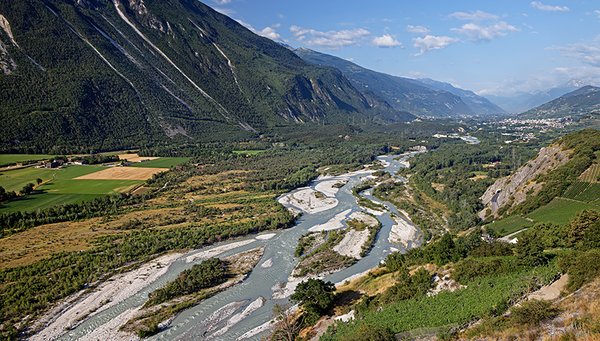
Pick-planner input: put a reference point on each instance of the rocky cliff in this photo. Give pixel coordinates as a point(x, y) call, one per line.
point(512, 190)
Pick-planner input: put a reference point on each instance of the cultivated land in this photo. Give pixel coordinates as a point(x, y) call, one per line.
point(123, 173)
point(7, 159)
point(163, 162)
point(60, 186)
point(131, 157)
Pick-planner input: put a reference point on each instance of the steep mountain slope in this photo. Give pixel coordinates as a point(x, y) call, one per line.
point(582, 101)
point(114, 73)
point(560, 170)
point(402, 93)
point(478, 104)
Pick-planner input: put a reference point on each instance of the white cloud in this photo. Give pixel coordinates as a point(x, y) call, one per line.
point(550, 8)
point(478, 32)
point(222, 2)
point(430, 42)
point(474, 16)
point(588, 52)
point(332, 39)
point(417, 29)
point(386, 40)
point(597, 13)
point(268, 32)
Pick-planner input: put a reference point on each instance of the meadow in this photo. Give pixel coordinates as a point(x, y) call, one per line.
point(59, 187)
point(9, 159)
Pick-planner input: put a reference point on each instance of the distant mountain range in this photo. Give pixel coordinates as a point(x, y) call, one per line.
point(523, 101)
point(423, 97)
point(583, 101)
point(120, 73)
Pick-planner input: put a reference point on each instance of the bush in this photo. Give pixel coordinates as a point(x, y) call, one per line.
point(372, 333)
point(533, 312)
point(582, 267)
point(470, 268)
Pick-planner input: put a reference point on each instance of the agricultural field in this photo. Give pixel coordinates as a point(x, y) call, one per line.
point(584, 191)
point(162, 162)
point(481, 297)
point(560, 211)
point(509, 225)
point(59, 186)
point(592, 174)
point(8, 159)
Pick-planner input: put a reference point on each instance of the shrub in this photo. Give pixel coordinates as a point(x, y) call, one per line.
point(533, 312)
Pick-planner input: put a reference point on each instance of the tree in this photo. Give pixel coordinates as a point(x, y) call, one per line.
point(315, 296)
point(444, 250)
point(27, 189)
point(38, 181)
point(530, 250)
point(584, 230)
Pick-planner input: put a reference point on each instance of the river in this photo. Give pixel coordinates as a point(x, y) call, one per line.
point(243, 308)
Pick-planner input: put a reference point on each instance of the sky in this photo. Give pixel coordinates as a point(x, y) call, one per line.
point(491, 47)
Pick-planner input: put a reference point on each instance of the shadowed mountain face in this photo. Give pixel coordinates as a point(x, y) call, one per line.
point(117, 73)
point(583, 101)
point(421, 97)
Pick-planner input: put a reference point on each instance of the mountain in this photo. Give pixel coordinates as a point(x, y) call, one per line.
point(582, 101)
point(113, 74)
point(402, 93)
point(523, 101)
point(478, 104)
point(421, 97)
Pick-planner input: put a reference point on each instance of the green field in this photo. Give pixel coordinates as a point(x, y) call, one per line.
point(163, 162)
point(8, 159)
point(584, 191)
point(561, 211)
point(509, 225)
point(60, 187)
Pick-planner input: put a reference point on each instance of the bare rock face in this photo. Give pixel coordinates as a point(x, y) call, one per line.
point(513, 189)
point(7, 64)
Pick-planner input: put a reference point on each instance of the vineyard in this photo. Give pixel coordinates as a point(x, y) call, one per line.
point(482, 296)
point(584, 191)
point(592, 174)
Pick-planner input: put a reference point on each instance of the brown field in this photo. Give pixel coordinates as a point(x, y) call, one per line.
point(123, 173)
point(136, 157)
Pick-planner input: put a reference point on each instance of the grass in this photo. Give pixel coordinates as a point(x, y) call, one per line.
point(560, 211)
point(59, 187)
point(482, 296)
point(9, 159)
point(163, 162)
point(509, 225)
point(249, 152)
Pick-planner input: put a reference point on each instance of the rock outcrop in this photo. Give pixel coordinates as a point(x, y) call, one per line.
point(514, 189)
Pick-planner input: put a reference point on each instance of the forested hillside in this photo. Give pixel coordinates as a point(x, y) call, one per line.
point(100, 74)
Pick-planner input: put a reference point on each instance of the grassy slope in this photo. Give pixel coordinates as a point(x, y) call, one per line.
point(60, 188)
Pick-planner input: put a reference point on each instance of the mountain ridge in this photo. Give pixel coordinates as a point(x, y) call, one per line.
point(113, 74)
point(583, 101)
point(413, 95)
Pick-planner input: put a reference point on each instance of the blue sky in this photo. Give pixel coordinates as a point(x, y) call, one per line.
point(491, 47)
